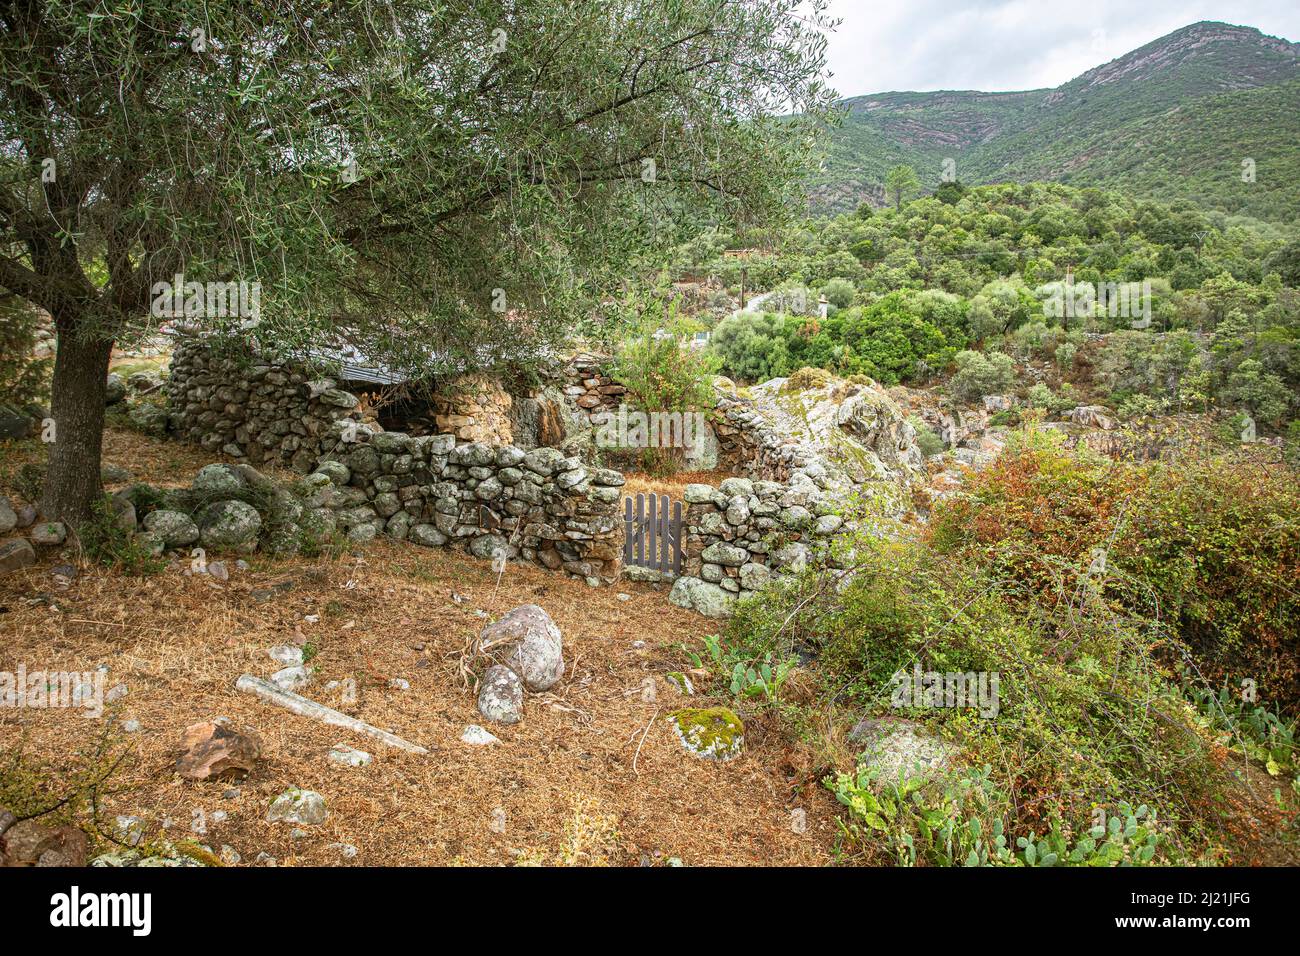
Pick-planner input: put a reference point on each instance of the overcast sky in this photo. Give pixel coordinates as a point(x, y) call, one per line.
point(885, 45)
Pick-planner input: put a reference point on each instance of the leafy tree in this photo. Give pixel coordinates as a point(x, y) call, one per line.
point(901, 181)
point(979, 374)
point(1262, 392)
point(839, 292)
point(446, 184)
point(747, 343)
point(1286, 263)
point(950, 192)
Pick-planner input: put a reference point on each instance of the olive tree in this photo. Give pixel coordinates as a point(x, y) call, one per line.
point(445, 182)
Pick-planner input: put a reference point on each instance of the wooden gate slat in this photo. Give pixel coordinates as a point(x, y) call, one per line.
point(652, 532)
point(627, 530)
point(651, 527)
point(640, 522)
point(677, 538)
point(665, 535)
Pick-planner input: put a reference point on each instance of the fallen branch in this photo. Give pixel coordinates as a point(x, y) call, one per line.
point(303, 707)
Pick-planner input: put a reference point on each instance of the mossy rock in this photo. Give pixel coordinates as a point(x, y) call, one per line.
point(710, 733)
point(805, 379)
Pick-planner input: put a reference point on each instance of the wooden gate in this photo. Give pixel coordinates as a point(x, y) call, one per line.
point(652, 537)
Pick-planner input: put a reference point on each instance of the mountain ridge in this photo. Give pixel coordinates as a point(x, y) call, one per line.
point(1056, 133)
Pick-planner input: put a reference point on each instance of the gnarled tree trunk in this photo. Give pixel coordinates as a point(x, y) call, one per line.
point(72, 482)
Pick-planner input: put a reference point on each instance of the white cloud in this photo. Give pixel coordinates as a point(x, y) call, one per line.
point(885, 45)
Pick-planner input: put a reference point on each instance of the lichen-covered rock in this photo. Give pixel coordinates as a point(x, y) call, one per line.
point(487, 545)
point(725, 554)
point(8, 517)
point(736, 486)
point(899, 749)
point(219, 479)
point(479, 736)
point(703, 596)
point(49, 533)
point(149, 418)
point(144, 381)
point(501, 695)
point(710, 733)
point(754, 576)
point(336, 471)
point(230, 525)
point(305, 807)
point(531, 645)
point(426, 535)
point(698, 494)
point(114, 389)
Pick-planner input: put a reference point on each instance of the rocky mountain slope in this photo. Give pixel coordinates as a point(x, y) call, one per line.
point(1176, 117)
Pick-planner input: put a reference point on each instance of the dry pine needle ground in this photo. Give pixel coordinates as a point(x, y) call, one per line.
point(564, 777)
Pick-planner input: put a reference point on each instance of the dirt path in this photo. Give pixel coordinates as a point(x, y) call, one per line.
point(569, 778)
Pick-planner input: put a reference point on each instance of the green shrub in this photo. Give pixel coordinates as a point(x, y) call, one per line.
point(839, 293)
point(662, 376)
point(751, 347)
point(979, 374)
point(1086, 710)
point(926, 438)
point(1209, 547)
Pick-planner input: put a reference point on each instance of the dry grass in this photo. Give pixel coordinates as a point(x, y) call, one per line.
point(162, 463)
point(570, 779)
point(671, 485)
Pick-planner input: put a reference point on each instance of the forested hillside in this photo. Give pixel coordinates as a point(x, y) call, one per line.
point(912, 294)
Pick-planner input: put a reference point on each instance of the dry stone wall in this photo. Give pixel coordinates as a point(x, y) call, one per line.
point(262, 413)
point(538, 505)
point(741, 534)
point(475, 408)
point(481, 497)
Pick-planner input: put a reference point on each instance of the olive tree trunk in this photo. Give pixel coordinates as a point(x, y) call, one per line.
point(72, 483)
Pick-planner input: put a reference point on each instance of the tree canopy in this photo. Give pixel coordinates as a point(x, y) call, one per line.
point(440, 181)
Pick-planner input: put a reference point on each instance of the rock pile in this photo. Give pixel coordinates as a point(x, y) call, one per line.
point(528, 649)
point(589, 388)
point(15, 553)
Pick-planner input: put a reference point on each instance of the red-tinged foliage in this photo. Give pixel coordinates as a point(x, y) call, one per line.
point(1211, 547)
